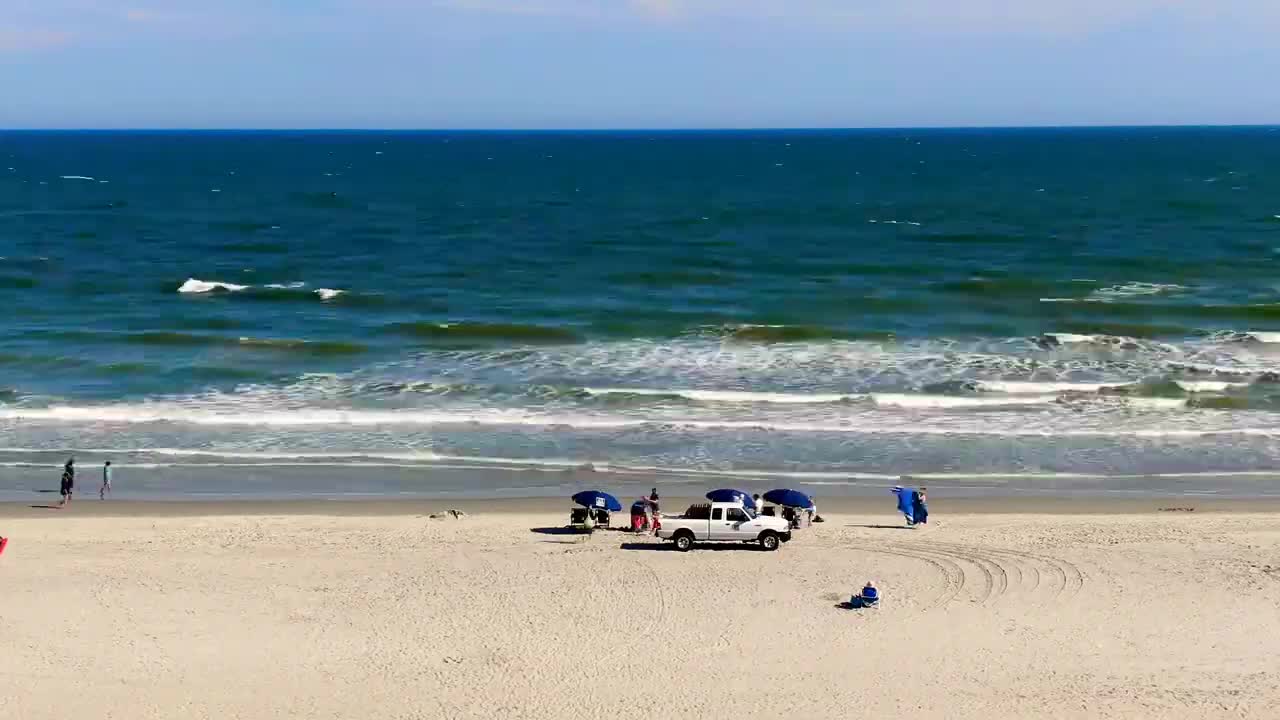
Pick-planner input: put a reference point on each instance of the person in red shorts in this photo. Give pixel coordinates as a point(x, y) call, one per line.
point(640, 515)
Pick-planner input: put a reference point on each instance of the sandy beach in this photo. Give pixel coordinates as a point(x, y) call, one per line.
point(373, 610)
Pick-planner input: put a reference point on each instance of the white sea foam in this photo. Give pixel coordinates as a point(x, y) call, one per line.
point(1145, 403)
point(1265, 337)
point(192, 285)
point(75, 177)
point(1069, 338)
point(728, 396)
point(945, 425)
point(1137, 289)
point(951, 401)
point(1019, 387)
point(1199, 386)
point(1113, 341)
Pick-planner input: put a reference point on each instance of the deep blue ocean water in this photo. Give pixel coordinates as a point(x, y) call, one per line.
point(828, 307)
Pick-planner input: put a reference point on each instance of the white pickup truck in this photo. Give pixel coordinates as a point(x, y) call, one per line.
point(723, 522)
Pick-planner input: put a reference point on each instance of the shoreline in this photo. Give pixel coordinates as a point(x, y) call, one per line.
point(940, 506)
point(432, 486)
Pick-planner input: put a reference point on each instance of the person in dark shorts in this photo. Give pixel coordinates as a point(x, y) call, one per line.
point(68, 482)
point(655, 517)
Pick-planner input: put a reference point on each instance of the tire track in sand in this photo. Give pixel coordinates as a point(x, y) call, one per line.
point(953, 576)
point(990, 574)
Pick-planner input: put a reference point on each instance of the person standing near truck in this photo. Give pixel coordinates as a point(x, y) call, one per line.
point(655, 523)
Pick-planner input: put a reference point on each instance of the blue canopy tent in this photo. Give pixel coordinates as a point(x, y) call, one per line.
point(729, 496)
point(597, 499)
point(789, 498)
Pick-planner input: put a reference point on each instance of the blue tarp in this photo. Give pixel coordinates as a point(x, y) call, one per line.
point(904, 501)
point(789, 498)
point(729, 496)
point(597, 499)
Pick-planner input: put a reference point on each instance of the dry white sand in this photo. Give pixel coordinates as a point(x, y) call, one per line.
point(1155, 615)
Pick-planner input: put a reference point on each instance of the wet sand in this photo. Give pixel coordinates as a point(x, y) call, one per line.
point(40, 506)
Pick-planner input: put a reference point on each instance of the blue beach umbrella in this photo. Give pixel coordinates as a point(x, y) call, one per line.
point(729, 496)
point(597, 499)
point(789, 498)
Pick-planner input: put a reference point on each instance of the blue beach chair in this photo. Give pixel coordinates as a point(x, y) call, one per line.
point(868, 598)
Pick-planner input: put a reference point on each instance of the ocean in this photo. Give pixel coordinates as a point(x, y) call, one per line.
point(372, 313)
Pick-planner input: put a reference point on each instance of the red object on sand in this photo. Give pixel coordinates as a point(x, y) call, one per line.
point(3, 542)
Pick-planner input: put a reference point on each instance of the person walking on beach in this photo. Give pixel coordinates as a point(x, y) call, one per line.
point(920, 507)
point(759, 504)
point(106, 481)
point(68, 485)
point(655, 522)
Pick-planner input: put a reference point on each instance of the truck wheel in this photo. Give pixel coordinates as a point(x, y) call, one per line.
point(769, 540)
point(683, 541)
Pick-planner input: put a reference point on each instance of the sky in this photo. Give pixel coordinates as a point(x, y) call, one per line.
point(600, 64)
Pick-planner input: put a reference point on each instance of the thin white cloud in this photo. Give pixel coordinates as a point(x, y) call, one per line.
point(16, 40)
point(142, 15)
point(997, 16)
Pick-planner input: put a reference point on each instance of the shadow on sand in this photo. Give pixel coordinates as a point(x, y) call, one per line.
point(884, 527)
point(46, 507)
point(565, 530)
point(670, 547)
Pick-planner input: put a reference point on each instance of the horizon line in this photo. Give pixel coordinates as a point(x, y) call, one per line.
point(622, 129)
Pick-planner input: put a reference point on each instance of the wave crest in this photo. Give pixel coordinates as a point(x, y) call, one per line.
point(192, 285)
point(470, 332)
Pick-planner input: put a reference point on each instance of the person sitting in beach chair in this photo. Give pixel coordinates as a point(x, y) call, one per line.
point(601, 516)
point(588, 518)
point(869, 597)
